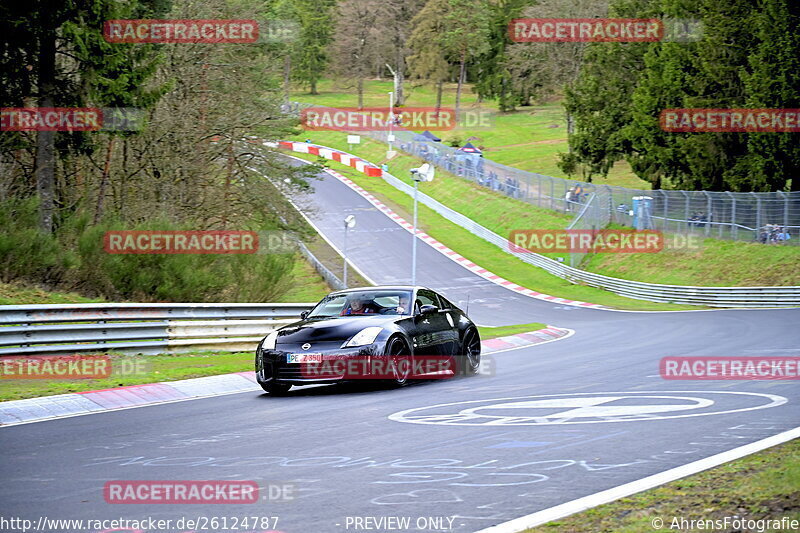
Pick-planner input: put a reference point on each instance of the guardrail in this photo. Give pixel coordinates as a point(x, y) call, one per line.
point(139, 328)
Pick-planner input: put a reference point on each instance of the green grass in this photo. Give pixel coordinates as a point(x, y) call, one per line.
point(490, 332)
point(158, 368)
point(765, 485)
point(714, 263)
point(529, 138)
point(334, 262)
point(335, 93)
point(17, 294)
point(307, 284)
point(488, 255)
point(170, 367)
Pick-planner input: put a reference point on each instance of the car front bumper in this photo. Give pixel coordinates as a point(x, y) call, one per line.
point(275, 368)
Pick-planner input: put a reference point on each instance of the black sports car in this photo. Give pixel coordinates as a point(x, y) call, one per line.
point(392, 334)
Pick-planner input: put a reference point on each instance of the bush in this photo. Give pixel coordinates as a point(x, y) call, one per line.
point(179, 277)
point(25, 252)
point(74, 258)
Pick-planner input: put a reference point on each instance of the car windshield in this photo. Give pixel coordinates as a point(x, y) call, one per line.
point(364, 303)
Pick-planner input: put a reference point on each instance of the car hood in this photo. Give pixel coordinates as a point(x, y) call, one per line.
point(330, 329)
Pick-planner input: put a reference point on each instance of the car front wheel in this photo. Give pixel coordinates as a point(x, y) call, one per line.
point(400, 359)
point(472, 352)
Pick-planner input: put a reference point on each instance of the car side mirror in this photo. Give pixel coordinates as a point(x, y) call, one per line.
point(304, 315)
point(425, 309)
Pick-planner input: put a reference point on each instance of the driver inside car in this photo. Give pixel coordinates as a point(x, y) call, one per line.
point(404, 304)
point(358, 305)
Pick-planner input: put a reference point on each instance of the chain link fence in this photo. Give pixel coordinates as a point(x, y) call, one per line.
point(757, 217)
point(594, 214)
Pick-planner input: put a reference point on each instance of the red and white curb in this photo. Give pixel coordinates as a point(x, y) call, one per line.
point(520, 340)
point(90, 402)
point(30, 410)
point(447, 252)
point(344, 158)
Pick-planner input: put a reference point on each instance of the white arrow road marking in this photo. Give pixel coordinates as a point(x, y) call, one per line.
point(594, 407)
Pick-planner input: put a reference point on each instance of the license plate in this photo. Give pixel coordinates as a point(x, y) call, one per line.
point(304, 358)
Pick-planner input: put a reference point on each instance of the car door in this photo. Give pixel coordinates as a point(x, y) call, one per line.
point(433, 330)
point(451, 316)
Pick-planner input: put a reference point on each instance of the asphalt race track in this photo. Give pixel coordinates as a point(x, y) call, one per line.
point(553, 423)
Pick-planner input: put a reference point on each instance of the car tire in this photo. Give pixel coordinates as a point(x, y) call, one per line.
point(397, 351)
point(471, 348)
point(275, 389)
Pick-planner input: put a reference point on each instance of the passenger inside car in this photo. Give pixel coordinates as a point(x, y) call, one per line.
point(358, 305)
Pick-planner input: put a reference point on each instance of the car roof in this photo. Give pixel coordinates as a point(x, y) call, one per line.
point(382, 288)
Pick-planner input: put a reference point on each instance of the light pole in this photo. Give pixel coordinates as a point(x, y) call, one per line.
point(423, 173)
point(349, 222)
point(391, 120)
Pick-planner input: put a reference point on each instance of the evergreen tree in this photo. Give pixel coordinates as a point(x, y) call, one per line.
point(493, 77)
point(315, 18)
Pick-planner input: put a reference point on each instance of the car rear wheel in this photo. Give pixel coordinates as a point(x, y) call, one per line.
point(472, 352)
point(274, 388)
point(399, 358)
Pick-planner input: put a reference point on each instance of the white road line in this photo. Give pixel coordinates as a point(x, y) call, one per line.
point(593, 500)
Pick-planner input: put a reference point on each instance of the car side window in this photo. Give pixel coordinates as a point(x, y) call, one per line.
point(428, 298)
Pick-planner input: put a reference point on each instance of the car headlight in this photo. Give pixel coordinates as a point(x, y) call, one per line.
point(269, 342)
point(364, 337)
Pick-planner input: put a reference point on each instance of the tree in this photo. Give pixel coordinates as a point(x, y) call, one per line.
point(395, 18)
point(315, 18)
point(704, 74)
point(493, 75)
point(355, 41)
point(598, 102)
point(458, 27)
point(541, 70)
point(58, 62)
point(773, 82)
point(427, 60)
